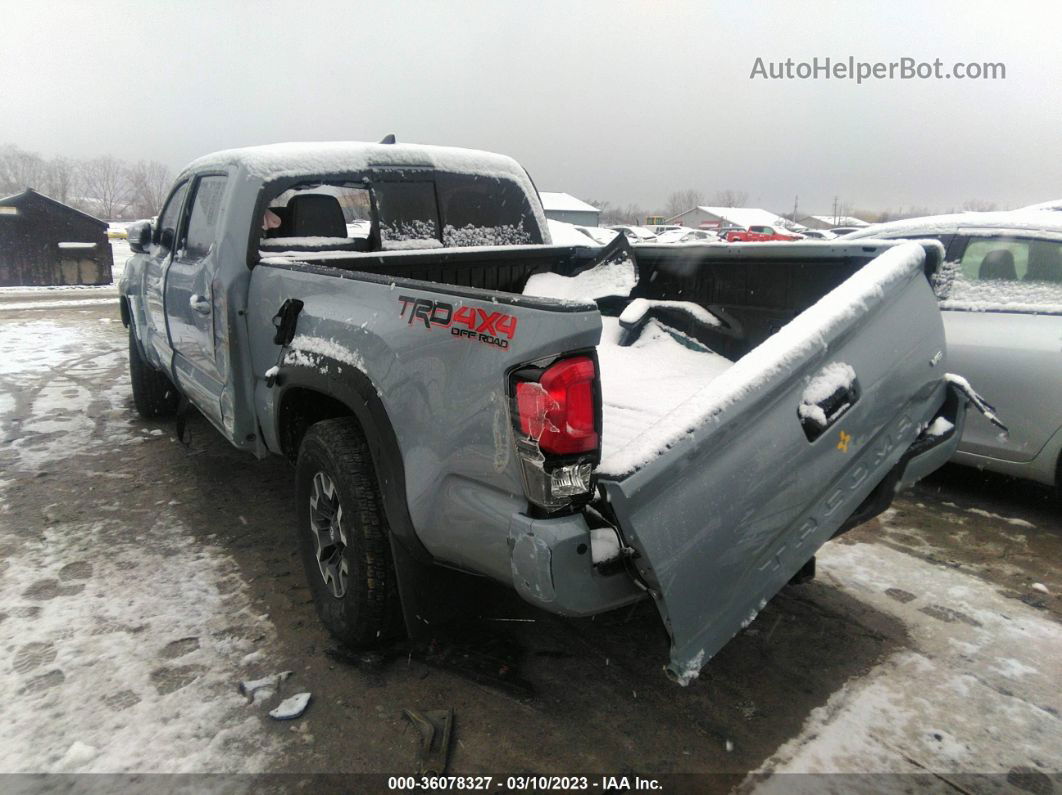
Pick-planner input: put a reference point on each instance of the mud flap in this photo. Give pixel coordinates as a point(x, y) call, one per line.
point(431, 595)
point(181, 424)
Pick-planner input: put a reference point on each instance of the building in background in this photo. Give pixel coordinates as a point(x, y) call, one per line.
point(45, 242)
point(567, 208)
point(703, 217)
point(830, 221)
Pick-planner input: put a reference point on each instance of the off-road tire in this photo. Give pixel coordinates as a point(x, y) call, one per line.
point(369, 611)
point(153, 393)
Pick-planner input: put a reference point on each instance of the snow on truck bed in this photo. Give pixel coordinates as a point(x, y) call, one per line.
point(643, 383)
point(657, 390)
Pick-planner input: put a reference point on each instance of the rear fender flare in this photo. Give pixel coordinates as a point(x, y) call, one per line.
point(354, 389)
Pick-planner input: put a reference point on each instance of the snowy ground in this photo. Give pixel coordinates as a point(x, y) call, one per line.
point(141, 580)
point(121, 638)
point(977, 686)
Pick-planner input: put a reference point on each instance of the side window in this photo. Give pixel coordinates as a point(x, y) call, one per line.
point(994, 258)
point(1006, 273)
point(166, 228)
point(204, 218)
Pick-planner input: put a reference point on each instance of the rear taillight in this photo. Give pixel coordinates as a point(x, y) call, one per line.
point(557, 416)
point(559, 410)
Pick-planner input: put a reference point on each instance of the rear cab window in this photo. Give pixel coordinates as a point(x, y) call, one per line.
point(317, 216)
point(398, 209)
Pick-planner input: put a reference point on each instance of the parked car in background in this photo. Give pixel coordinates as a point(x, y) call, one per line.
point(846, 230)
point(565, 234)
point(761, 234)
point(723, 230)
point(635, 234)
point(659, 229)
point(684, 234)
point(818, 234)
point(1001, 299)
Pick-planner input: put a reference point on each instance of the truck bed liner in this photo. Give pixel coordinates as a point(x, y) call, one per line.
point(643, 383)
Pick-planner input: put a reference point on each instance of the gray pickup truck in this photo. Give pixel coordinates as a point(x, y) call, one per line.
point(591, 426)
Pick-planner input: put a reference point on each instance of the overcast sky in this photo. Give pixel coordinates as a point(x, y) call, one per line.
point(617, 101)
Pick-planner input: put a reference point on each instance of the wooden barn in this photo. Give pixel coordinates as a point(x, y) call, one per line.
point(45, 242)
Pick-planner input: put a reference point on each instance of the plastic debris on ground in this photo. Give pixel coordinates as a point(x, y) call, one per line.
point(291, 708)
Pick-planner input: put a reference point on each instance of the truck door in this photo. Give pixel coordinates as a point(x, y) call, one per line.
point(154, 336)
point(193, 310)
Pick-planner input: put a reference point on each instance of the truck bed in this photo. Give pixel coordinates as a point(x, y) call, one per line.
point(644, 383)
point(751, 292)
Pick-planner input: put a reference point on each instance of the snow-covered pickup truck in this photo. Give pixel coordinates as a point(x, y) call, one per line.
point(591, 426)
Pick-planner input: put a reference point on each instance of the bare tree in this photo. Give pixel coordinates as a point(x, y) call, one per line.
point(105, 183)
point(730, 198)
point(864, 215)
point(979, 205)
point(19, 169)
point(628, 214)
point(603, 207)
point(901, 213)
point(60, 179)
point(149, 182)
point(681, 200)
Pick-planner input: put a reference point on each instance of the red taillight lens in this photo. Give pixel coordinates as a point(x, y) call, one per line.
point(558, 410)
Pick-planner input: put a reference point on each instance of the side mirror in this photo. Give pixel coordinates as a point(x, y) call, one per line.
point(166, 237)
point(139, 236)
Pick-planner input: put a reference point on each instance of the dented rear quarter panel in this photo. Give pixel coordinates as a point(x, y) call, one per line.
point(445, 395)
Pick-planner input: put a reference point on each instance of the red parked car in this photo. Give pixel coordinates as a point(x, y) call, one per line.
point(758, 234)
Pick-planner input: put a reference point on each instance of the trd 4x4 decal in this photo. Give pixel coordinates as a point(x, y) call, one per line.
point(470, 322)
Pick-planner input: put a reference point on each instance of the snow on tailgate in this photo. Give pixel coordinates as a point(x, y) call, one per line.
point(655, 396)
point(803, 337)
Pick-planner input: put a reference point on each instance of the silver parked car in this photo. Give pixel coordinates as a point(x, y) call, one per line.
point(1001, 300)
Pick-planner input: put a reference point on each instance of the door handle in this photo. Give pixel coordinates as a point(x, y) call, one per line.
point(199, 304)
point(827, 398)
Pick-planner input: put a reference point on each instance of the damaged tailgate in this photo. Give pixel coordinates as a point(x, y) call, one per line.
point(781, 450)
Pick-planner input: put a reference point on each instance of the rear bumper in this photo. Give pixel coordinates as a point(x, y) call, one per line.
point(930, 452)
point(552, 568)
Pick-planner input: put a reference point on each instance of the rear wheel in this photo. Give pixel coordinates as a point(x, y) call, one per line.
point(153, 393)
point(344, 536)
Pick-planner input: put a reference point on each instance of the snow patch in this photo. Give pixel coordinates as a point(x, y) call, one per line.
point(613, 278)
point(968, 696)
point(637, 309)
point(939, 427)
point(604, 544)
point(318, 347)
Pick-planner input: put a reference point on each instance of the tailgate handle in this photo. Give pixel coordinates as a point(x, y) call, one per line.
point(827, 398)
